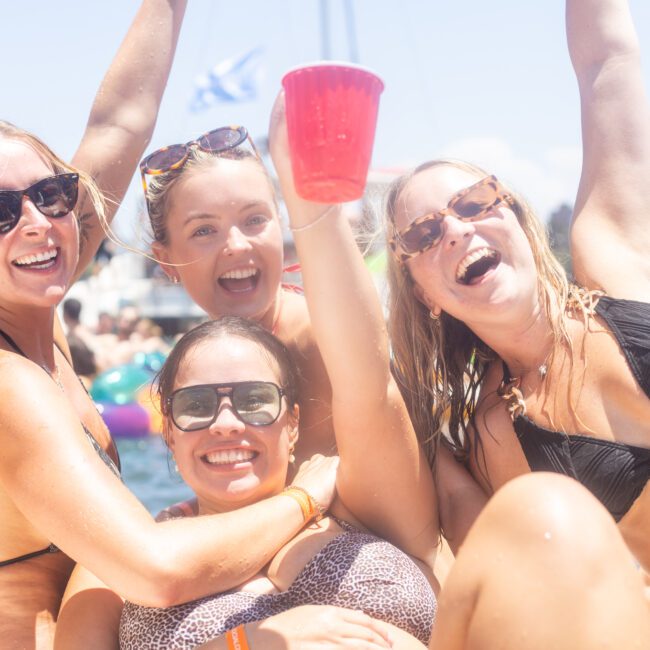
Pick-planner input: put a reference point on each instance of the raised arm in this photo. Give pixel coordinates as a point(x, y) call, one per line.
point(610, 234)
point(383, 478)
point(124, 113)
point(92, 516)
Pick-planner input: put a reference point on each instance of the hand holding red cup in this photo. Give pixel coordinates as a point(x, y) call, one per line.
point(331, 112)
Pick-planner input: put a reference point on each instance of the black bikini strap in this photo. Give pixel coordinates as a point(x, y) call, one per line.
point(13, 344)
point(28, 556)
point(506, 372)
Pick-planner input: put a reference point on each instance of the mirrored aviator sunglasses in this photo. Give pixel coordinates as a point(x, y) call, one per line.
point(53, 196)
point(470, 204)
point(175, 156)
point(257, 403)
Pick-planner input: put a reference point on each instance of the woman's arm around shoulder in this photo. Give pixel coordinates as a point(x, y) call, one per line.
point(96, 520)
point(610, 234)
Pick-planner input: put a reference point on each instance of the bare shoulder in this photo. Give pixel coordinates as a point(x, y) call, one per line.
point(295, 324)
point(17, 374)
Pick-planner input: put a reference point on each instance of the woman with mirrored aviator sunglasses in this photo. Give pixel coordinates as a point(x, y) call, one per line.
point(528, 370)
point(61, 499)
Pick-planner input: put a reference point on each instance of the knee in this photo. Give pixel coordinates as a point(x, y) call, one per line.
point(541, 507)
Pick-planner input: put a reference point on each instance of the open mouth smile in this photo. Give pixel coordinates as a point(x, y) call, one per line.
point(229, 456)
point(240, 280)
point(475, 265)
point(38, 261)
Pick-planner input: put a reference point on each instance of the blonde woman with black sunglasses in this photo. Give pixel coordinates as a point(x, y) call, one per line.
point(61, 499)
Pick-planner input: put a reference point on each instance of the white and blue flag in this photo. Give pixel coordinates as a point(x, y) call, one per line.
point(233, 80)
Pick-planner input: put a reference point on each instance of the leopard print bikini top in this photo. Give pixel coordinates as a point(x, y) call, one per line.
point(355, 570)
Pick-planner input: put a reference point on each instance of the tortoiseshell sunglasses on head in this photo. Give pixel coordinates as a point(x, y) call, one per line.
point(470, 204)
point(175, 156)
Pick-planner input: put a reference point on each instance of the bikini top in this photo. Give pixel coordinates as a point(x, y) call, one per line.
point(614, 472)
point(355, 570)
point(115, 468)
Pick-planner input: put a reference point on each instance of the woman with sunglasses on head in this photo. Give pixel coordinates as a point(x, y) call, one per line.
point(216, 230)
point(528, 370)
point(61, 499)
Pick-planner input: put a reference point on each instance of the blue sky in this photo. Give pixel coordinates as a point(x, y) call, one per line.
point(487, 81)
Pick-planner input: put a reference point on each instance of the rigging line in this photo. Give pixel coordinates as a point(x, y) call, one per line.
point(325, 30)
point(350, 24)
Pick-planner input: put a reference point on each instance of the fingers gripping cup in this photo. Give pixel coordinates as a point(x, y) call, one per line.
point(331, 118)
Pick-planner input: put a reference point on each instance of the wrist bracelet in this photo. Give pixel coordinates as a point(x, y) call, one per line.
point(311, 509)
point(236, 638)
point(315, 221)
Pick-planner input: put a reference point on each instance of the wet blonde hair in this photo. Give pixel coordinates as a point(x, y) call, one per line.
point(160, 186)
point(10, 131)
point(440, 363)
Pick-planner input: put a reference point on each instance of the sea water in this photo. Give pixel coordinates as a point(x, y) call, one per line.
point(148, 471)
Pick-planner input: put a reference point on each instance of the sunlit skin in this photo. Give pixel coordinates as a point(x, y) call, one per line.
point(224, 487)
point(29, 295)
point(504, 309)
point(20, 167)
point(505, 294)
point(223, 219)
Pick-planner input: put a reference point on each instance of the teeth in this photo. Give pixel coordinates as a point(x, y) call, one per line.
point(39, 257)
point(239, 274)
point(466, 262)
point(229, 456)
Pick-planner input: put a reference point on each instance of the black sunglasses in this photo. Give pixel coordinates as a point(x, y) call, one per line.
point(196, 407)
point(54, 196)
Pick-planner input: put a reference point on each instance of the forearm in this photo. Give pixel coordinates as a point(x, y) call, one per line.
point(194, 557)
point(354, 345)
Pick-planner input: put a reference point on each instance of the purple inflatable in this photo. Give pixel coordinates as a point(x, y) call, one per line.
point(125, 420)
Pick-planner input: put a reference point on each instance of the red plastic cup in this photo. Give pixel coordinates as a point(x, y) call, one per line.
point(331, 118)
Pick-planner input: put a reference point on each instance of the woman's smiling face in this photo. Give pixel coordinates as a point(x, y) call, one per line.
point(231, 464)
point(480, 271)
point(225, 232)
point(40, 254)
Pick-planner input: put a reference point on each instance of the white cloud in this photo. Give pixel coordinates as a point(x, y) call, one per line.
point(545, 182)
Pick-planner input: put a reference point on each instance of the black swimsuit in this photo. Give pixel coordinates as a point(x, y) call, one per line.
point(98, 448)
point(614, 472)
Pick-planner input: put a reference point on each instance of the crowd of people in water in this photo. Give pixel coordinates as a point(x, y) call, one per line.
point(115, 339)
point(500, 406)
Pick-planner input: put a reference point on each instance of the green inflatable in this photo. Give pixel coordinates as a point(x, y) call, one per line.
point(120, 384)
